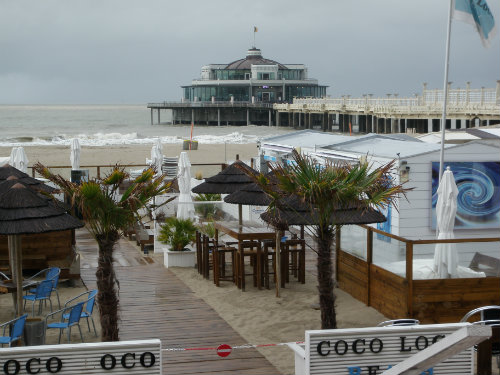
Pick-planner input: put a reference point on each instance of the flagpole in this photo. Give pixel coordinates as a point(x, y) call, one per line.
point(445, 91)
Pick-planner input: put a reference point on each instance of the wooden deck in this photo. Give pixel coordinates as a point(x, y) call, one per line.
point(154, 303)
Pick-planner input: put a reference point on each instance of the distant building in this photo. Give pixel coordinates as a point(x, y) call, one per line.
point(240, 93)
point(253, 79)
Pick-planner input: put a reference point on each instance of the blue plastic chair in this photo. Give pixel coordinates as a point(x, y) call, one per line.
point(42, 294)
point(88, 309)
point(16, 328)
point(52, 274)
point(74, 314)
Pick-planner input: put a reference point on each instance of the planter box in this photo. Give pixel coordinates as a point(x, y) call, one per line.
point(179, 258)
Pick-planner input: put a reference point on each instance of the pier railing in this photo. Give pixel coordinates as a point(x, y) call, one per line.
point(209, 104)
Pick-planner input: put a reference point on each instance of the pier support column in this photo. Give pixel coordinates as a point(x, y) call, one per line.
point(269, 123)
point(309, 122)
point(374, 122)
point(395, 125)
point(277, 118)
point(192, 116)
point(159, 116)
point(300, 119)
point(325, 121)
point(218, 116)
point(293, 120)
point(151, 116)
point(248, 116)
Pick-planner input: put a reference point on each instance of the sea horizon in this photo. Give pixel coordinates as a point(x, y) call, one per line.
point(110, 124)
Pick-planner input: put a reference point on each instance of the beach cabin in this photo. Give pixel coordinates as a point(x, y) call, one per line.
point(390, 266)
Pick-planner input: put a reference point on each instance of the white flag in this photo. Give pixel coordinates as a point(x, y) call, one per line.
point(478, 14)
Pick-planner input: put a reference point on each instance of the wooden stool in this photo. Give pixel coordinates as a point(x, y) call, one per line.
point(253, 250)
point(219, 262)
point(294, 260)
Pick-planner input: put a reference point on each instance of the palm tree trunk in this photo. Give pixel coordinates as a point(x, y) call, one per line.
point(325, 236)
point(107, 296)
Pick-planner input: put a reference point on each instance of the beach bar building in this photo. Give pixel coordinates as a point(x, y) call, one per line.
point(390, 266)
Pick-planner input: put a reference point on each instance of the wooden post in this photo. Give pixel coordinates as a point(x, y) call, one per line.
point(338, 234)
point(16, 266)
point(369, 261)
point(409, 277)
point(277, 252)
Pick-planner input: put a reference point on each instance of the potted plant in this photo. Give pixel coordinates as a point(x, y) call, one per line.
point(177, 234)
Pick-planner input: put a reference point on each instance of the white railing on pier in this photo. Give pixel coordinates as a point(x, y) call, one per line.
point(461, 102)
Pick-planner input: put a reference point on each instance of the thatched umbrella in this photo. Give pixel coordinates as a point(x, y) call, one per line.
point(8, 172)
point(292, 211)
point(22, 211)
point(231, 179)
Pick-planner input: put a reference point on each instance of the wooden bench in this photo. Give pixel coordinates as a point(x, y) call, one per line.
point(485, 263)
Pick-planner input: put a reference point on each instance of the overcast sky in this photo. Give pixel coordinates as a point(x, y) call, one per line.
point(70, 52)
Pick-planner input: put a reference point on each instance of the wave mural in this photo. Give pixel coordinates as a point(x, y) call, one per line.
point(478, 194)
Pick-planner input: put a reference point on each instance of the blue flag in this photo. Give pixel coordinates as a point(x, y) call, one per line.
point(478, 14)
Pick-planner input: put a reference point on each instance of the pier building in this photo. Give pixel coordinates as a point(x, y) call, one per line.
point(241, 92)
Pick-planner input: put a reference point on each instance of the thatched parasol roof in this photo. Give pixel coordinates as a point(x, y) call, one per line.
point(231, 179)
point(251, 195)
point(296, 212)
point(22, 211)
point(8, 172)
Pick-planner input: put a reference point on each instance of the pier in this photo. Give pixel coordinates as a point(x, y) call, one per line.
point(391, 114)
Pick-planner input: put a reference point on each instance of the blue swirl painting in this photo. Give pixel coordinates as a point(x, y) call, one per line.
point(478, 194)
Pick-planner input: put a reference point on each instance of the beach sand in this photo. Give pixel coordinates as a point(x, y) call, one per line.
point(262, 318)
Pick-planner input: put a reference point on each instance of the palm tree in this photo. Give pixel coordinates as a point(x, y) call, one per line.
point(327, 192)
point(106, 219)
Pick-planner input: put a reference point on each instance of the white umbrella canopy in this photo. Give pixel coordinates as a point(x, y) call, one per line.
point(75, 154)
point(445, 254)
point(18, 159)
point(157, 156)
point(185, 209)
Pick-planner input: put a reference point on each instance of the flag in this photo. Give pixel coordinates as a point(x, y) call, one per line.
point(478, 14)
point(255, 29)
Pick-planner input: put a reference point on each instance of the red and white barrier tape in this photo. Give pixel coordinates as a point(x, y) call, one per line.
point(224, 350)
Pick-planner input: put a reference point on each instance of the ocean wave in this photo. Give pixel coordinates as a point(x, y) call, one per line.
point(108, 139)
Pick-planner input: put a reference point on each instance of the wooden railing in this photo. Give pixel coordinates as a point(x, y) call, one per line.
point(109, 166)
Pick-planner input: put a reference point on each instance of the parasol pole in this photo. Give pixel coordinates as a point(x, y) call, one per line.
point(16, 256)
point(278, 262)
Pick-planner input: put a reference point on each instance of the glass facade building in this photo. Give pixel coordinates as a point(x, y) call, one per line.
point(253, 79)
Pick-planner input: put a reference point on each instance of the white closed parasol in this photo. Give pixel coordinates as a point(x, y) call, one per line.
point(75, 154)
point(18, 159)
point(185, 209)
point(157, 156)
point(445, 254)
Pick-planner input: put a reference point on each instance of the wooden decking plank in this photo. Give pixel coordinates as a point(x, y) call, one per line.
point(154, 303)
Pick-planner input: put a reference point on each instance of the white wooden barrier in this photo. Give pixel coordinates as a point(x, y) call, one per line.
point(115, 358)
point(373, 350)
point(451, 345)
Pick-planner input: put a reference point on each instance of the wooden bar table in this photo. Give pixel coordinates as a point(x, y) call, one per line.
point(248, 231)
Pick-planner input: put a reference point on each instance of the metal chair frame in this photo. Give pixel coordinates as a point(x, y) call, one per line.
point(399, 322)
point(88, 308)
point(74, 314)
point(15, 325)
point(52, 274)
point(42, 294)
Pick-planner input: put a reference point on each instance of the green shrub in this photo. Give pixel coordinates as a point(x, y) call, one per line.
point(209, 210)
point(177, 233)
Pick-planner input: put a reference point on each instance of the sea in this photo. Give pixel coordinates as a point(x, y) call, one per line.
point(101, 125)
